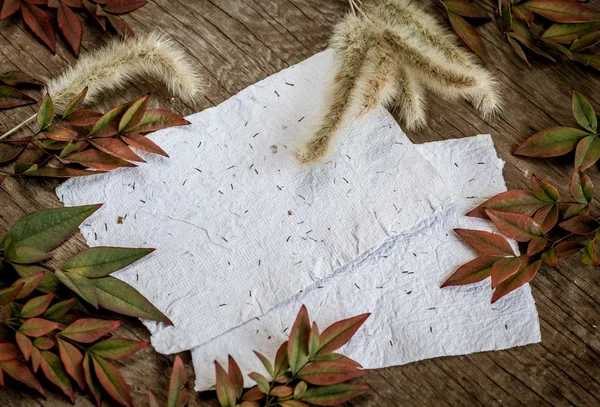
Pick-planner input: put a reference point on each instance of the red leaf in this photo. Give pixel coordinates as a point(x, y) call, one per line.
point(544, 191)
point(510, 37)
point(328, 373)
point(115, 148)
point(536, 245)
point(7, 295)
point(521, 278)
point(515, 226)
point(551, 142)
point(58, 310)
point(35, 327)
point(55, 373)
point(566, 249)
point(9, 151)
point(504, 268)
point(516, 201)
point(83, 117)
point(340, 333)
point(15, 78)
point(88, 330)
point(120, 26)
point(98, 160)
point(72, 360)
point(236, 375)
point(178, 394)
point(40, 23)
point(576, 210)
point(547, 217)
point(521, 33)
point(523, 14)
point(25, 345)
point(70, 27)
point(563, 11)
point(470, 36)
point(36, 306)
point(158, 119)
point(474, 271)
point(60, 133)
point(8, 351)
point(113, 382)
point(117, 348)
point(580, 225)
point(11, 97)
point(465, 8)
point(123, 6)
point(333, 395)
point(21, 373)
point(152, 400)
point(134, 114)
point(587, 152)
point(91, 379)
point(143, 143)
point(51, 172)
point(253, 394)
point(43, 343)
point(485, 242)
point(336, 357)
point(281, 360)
point(226, 392)
point(297, 349)
point(9, 8)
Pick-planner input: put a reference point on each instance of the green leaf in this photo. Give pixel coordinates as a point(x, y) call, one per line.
point(340, 333)
point(300, 390)
point(75, 104)
point(46, 229)
point(45, 114)
point(80, 285)
point(550, 257)
point(313, 341)
point(28, 255)
point(504, 268)
point(36, 327)
point(584, 112)
point(134, 114)
point(328, 373)
point(178, 393)
point(506, 14)
point(117, 348)
point(334, 394)
point(536, 245)
point(281, 360)
point(59, 310)
point(112, 381)
point(552, 142)
point(266, 364)
point(10, 151)
point(36, 306)
point(581, 188)
point(484, 242)
point(470, 36)
point(515, 226)
point(49, 282)
point(21, 373)
point(261, 381)
point(472, 272)
point(562, 11)
point(116, 295)
point(544, 191)
point(465, 8)
point(589, 255)
point(580, 225)
point(108, 124)
point(72, 359)
point(576, 210)
point(525, 275)
point(298, 342)
point(7, 295)
point(91, 380)
point(516, 201)
point(587, 152)
point(11, 97)
point(585, 41)
point(101, 261)
point(89, 330)
point(567, 33)
point(43, 343)
point(226, 392)
point(157, 119)
point(55, 373)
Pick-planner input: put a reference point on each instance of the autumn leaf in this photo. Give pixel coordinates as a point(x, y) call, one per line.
point(562, 11)
point(117, 348)
point(581, 188)
point(525, 275)
point(472, 272)
point(98, 160)
point(580, 225)
point(36, 306)
point(567, 33)
point(178, 393)
point(11, 97)
point(40, 23)
point(465, 8)
point(516, 201)
point(266, 363)
point(504, 268)
point(470, 36)
point(552, 142)
point(515, 226)
point(536, 245)
point(589, 255)
point(328, 373)
point(54, 371)
point(340, 333)
point(543, 190)
point(102, 261)
point(72, 360)
point(334, 394)
point(112, 381)
point(587, 152)
point(89, 330)
point(226, 392)
point(298, 342)
point(20, 372)
point(485, 242)
point(35, 327)
point(584, 112)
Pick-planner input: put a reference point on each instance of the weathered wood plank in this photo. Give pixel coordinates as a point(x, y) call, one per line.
point(236, 44)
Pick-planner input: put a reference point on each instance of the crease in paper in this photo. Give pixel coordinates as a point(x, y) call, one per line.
point(239, 224)
point(412, 318)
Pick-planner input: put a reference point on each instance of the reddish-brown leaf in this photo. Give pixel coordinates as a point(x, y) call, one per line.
point(521, 33)
point(83, 117)
point(60, 133)
point(36, 306)
point(334, 394)
point(112, 381)
point(470, 36)
point(328, 373)
point(576, 210)
point(152, 400)
point(40, 23)
point(297, 350)
point(525, 275)
point(123, 6)
point(7, 295)
point(90, 378)
point(178, 393)
point(52, 172)
point(523, 14)
point(11, 97)
point(9, 151)
point(587, 152)
point(485, 242)
point(281, 360)
point(510, 37)
point(43, 343)
point(72, 360)
point(585, 41)
point(340, 333)
point(550, 257)
point(55, 373)
point(115, 148)
point(566, 249)
point(25, 345)
point(8, 351)
point(472, 272)
point(35, 327)
point(504, 268)
point(117, 348)
point(516, 201)
point(266, 363)
point(88, 330)
point(92, 8)
point(536, 245)
point(158, 119)
point(544, 191)
point(515, 226)
point(143, 143)
point(98, 160)
point(226, 392)
point(580, 225)
point(552, 142)
point(134, 114)
point(562, 11)
point(253, 394)
point(581, 188)
point(120, 26)
point(69, 26)
point(547, 217)
point(286, 403)
point(282, 391)
point(589, 255)
point(9, 7)
point(465, 8)
point(15, 78)
point(21, 373)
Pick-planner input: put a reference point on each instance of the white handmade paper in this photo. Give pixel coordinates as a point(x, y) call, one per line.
point(412, 318)
point(239, 224)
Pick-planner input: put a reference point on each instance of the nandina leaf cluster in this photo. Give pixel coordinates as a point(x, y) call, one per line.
point(306, 370)
point(546, 227)
point(566, 26)
point(44, 16)
point(83, 142)
point(48, 326)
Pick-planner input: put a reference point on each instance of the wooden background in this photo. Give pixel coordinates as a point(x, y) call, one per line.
point(237, 43)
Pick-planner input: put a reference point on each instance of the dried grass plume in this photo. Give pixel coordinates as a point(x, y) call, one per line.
point(388, 54)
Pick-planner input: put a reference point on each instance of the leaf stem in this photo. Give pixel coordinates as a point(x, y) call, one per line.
point(17, 127)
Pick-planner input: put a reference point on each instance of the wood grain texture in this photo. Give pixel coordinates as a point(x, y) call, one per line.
point(237, 43)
